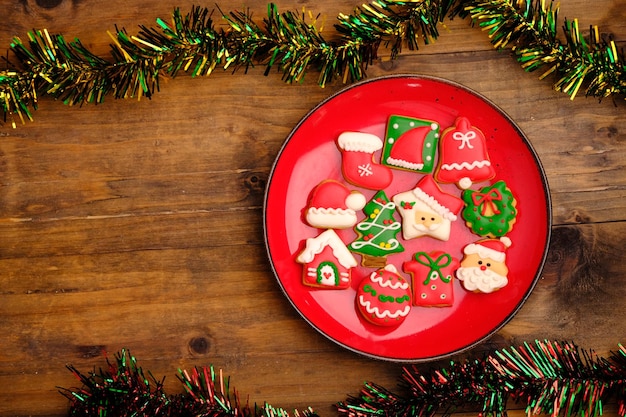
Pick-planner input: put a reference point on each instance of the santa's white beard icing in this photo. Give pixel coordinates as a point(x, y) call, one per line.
point(475, 279)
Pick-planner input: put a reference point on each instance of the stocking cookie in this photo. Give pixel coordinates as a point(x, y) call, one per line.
point(410, 144)
point(377, 232)
point(384, 297)
point(463, 157)
point(327, 262)
point(333, 206)
point(483, 267)
point(427, 211)
point(357, 160)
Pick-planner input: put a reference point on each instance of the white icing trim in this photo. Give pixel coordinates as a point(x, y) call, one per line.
point(359, 142)
point(374, 277)
point(331, 218)
point(484, 252)
point(315, 246)
point(465, 165)
point(404, 164)
point(434, 204)
point(385, 313)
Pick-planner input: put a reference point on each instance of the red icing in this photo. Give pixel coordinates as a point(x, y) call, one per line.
point(463, 157)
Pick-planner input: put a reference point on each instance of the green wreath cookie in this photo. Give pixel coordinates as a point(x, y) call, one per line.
point(490, 211)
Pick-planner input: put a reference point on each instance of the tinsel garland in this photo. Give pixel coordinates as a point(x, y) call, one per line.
point(551, 378)
point(47, 64)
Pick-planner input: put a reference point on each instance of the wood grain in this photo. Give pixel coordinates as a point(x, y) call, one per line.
point(139, 224)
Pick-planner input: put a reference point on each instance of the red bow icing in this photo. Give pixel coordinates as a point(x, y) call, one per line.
point(487, 198)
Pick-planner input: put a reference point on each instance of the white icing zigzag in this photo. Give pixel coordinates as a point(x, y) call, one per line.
point(465, 165)
point(388, 283)
point(384, 313)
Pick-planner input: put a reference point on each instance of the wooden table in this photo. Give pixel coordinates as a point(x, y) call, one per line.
point(139, 224)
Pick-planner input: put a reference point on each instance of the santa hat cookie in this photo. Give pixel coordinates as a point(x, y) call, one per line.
point(427, 211)
point(357, 163)
point(333, 206)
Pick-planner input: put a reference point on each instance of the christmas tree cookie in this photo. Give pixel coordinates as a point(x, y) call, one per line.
point(377, 232)
point(491, 211)
point(410, 144)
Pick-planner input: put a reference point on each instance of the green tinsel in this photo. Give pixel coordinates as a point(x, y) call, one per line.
point(550, 378)
point(47, 64)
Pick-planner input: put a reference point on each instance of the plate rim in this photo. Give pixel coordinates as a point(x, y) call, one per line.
point(546, 195)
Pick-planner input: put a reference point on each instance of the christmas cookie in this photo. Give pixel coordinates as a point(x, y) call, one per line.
point(463, 157)
point(384, 297)
point(357, 160)
point(427, 211)
point(327, 262)
point(410, 144)
point(333, 206)
point(490, 212)
point(432, 278)
point(377, 232)
point(483, 267)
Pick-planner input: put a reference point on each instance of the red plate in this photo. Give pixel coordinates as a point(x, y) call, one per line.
point(310, 155)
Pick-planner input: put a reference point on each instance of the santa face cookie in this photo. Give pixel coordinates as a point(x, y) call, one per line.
point(463, 157)
point(327, 262)
point(384, 297)
point(427, 211)
point(357, 160)
point(491, 211)
point(410, 144)
point(333, 206)
point(483, 267)
point(377, 232)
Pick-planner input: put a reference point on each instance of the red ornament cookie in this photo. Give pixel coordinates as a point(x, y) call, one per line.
point(463, 157)
point(432, 278)
point(327, 262)
point(384, 297)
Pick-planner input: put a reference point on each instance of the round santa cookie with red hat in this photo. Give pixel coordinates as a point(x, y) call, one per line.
point(333, 206)
point(463, 156)
point(483, 268)
point(384, 297)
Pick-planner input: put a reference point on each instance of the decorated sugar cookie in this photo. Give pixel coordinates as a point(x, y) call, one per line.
point(384, 297)
point(432, 278)
point(490, 212)
point(333, 206)
point(327, 262)
point(463, 157)
point(410, 144)
point(427, 211)
point(483, 267)
point(377, 232)
point(357, 160)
